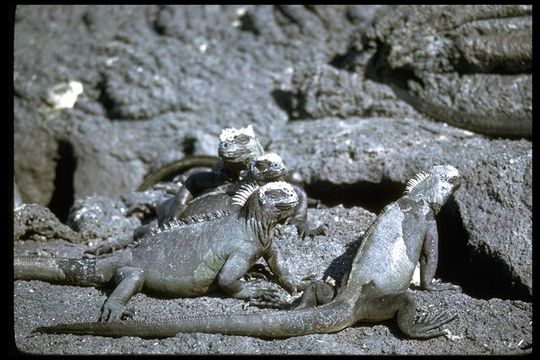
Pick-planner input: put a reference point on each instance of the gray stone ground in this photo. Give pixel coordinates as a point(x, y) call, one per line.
point(160, 82)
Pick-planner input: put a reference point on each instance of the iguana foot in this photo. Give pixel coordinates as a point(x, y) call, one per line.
point(257, 272)
point(108, 246)
point(303, 230)
point(439, 286)
point(292, 285)
point(98, 249)
point(423, 326)
point(306, 281)
point(319, 230)
point(113, 311)
point(255, 290)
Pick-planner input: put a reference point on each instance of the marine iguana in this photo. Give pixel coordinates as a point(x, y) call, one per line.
point(374, 289)
point(237, 147)
point(265, 168)
point(185, 259)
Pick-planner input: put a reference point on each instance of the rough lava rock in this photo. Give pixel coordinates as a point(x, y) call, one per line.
point(318, 84)
point(101, 218)
point(34, 222)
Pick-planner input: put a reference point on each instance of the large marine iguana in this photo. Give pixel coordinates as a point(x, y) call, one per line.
point(262, 170)
point(185, 259)
point(374, 289)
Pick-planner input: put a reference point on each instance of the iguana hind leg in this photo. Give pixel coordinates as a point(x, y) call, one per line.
point(421, 328)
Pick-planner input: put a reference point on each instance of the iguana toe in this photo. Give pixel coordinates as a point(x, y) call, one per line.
point(112, 312)
point(430, 321)
point(274, 304)
point(439, 286)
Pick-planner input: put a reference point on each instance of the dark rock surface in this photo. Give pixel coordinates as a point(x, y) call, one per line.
point(160, 82)
point(34, 222)
point(468, 66)
point(99, 218)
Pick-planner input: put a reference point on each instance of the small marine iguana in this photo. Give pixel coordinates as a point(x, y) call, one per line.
point(185, 259)
point(237, 147)
point(374, 289)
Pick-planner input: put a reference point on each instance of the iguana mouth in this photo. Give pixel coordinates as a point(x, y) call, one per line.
point(286, 205)
point(273, 175)
point(237, 155)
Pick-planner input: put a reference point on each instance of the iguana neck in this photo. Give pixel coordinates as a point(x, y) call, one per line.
point(263, 231)
point(234, 169)
point(260, 223)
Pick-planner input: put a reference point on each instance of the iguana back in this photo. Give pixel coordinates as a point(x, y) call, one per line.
point(184, 260)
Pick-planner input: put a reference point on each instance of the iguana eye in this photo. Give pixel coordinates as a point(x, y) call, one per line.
point(241, 139)
point(274, 193)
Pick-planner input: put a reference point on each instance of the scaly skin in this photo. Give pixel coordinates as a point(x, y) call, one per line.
point(184, 260)
point(374, 289)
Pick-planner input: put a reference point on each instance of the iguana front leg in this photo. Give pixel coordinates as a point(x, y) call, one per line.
point(429, 258)
point(233, 270)
point(130, 281)
point(299, 219)
point(288, 281)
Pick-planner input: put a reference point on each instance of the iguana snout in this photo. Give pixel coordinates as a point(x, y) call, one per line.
point(268, 167)
point(278, 196)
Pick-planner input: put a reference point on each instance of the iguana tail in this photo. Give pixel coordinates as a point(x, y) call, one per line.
point(85, 272)
point(328, 318)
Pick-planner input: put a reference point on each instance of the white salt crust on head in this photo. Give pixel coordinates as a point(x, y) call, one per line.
point(272, 157)
point(228, 134)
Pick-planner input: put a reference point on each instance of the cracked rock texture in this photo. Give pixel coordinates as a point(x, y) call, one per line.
point(327, 88)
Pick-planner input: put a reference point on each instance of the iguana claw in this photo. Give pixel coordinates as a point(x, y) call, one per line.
point(112, 311)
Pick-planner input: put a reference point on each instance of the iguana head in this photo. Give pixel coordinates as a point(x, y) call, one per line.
point(434, 186)
point(239, 145)
point(266, 168)
point(269, 203)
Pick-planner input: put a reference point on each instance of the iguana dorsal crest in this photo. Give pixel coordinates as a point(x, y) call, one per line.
point(412, 183)
point(244, 193)
point(177, 223)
